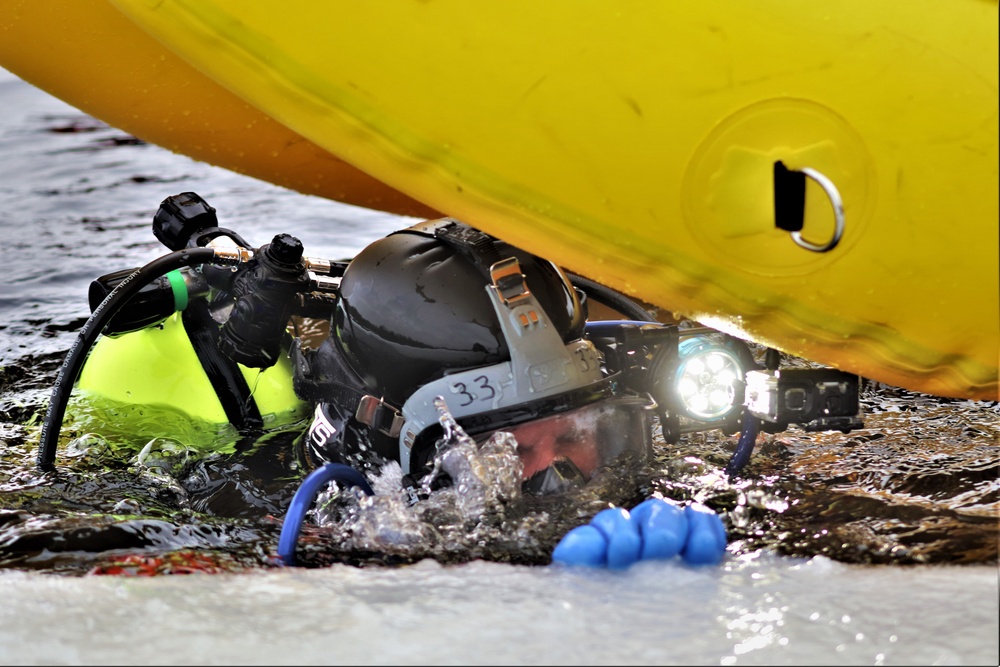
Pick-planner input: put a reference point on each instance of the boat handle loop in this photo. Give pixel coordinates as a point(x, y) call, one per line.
point(838, 213)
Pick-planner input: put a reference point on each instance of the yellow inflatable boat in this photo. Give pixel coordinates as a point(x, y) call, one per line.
point(819, 177)
point(90, 55)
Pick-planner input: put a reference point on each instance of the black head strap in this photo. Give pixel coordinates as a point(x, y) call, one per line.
point(481, 249)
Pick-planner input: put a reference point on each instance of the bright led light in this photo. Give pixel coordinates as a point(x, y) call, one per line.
point(687, 387)
point(721, 398)
point(698, 403)
point(715, 362)
point(707, 378)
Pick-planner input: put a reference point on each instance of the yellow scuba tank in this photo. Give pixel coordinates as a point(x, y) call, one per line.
point(159, 367)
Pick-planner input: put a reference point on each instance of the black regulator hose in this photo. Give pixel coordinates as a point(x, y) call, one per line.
point(72, 365)
point(611, 298)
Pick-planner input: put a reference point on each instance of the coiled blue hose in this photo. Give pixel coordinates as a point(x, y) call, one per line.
point(344, 475)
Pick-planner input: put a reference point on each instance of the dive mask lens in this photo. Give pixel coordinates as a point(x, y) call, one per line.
point(589, 437)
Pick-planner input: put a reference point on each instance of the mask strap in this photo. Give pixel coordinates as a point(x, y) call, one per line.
point(478, 247)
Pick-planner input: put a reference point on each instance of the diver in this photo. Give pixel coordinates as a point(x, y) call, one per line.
point(435, 322)
point(441, 309)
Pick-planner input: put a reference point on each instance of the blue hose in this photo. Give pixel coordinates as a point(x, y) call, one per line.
point(744, 447)
point(302, 500)
point(601, 328)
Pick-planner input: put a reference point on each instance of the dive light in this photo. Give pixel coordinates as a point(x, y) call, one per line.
point(709, 379)
point(695, 375)
point(700, 382)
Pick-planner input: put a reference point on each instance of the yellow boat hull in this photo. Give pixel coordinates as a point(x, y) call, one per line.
point(88, 54)
point(635, 143)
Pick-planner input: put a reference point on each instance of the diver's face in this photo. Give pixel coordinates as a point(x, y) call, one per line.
point(541, 442)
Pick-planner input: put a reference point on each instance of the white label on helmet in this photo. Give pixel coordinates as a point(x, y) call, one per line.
point(548, 374)
point(321, 429)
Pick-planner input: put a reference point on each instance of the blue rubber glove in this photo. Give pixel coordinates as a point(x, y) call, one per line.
point(706, 542)
point(624, 544)
point(664, 528)
point(654, 529)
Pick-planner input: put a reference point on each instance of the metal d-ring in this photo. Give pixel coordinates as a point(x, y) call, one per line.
point(838, 213)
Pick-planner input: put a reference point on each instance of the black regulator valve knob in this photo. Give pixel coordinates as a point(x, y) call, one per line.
point(180, 217)
point(265, 295)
